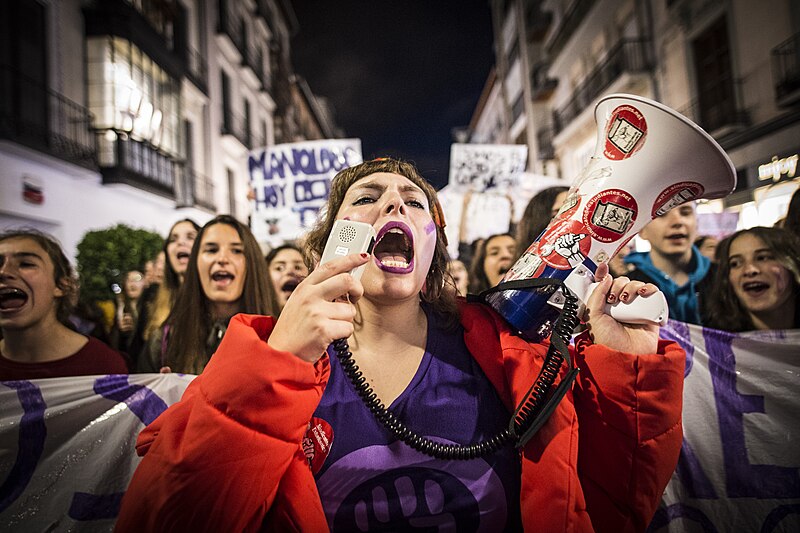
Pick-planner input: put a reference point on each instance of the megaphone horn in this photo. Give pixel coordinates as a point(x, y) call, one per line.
point(648, 160)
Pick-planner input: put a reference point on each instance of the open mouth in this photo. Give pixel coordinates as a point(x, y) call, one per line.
point(290, 285)
point(11, 299)
point(677, 237)
point(755, 288)
point(394, 248)
point(222, 277)
point(182, 256)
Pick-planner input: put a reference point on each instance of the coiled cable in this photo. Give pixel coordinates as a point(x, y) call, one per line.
point(531, 413)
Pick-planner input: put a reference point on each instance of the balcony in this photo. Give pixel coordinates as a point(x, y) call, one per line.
point(236, 126)
point(230, 25)
point(571, 19)
point(138, 164)
point(542, 86)
point(718, 109)
point(544, 142)
point(627, 56)
point(195, 190)
point(197, 69)
point(43, 120)
point(537, 22)
point(154, 26)
point(786, 71)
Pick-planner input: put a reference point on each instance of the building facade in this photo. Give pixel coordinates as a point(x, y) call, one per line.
point(733, 67)
point(139, 112)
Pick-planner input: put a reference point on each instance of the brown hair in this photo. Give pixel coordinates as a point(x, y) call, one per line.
point(724, 309)
point(536, 216)
point(63, 274)
point(164, 300)
point(478, 281)
point(441, 301)
point(190, 320)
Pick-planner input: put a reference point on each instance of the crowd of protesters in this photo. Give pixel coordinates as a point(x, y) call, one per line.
point(172, 312)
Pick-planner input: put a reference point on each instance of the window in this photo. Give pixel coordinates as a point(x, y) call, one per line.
point(247, 135)
point(517, 108)
point(227, 119)
point(715, 89)
point(129, 93)
point(231, 191)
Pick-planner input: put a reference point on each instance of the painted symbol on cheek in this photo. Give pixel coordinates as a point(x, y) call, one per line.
point(430, 228)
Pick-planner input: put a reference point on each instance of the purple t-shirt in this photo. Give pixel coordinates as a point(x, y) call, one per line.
point(372, 482)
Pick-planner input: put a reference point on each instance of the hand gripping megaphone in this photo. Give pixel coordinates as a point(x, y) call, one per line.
point(648, 159)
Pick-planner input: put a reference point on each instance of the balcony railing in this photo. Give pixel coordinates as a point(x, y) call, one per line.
point(537, 22)
point(195, 189)
point(544, 142)
point(629, 55)
point(197, 69)
point(569, 22)
point(786, 70)
point(719, 110)
point(137, 163)
point(542, 85)
point(237, 127)
point(44, 120)
point(229, 25)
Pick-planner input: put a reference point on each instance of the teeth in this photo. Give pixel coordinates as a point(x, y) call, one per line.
point(394, 264)
point(395, 230)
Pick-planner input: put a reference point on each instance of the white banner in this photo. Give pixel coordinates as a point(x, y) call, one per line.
point(67, 447)
point(67, 444)
point(291, 182)
point(739, 468)
point(484, 167)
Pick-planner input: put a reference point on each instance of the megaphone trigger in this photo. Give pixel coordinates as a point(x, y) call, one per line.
point(650, 309)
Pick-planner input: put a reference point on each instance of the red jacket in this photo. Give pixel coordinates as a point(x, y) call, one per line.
point(228, 456)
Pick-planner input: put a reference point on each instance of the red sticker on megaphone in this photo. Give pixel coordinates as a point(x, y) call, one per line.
point(610, 214)
point(317, 443)
point(625, 133)
point(675, 195)
point(565, 244)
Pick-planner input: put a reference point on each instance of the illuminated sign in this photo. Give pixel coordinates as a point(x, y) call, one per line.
point(777, 167)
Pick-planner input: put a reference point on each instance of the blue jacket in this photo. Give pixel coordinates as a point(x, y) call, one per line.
point(684, 304)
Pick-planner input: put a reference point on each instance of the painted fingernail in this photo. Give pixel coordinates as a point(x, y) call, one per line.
point(611, 298)
point(641, 291)
point(624, 296)
point(364, 255)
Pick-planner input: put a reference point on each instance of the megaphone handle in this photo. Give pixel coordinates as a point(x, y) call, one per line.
point(651, 309)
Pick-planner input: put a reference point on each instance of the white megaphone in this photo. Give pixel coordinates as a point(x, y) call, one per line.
point(648, 159)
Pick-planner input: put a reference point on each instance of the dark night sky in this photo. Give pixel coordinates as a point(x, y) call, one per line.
point(399, 74)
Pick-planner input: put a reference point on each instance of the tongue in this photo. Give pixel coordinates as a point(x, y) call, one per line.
point(9, 303)
point(391, 257)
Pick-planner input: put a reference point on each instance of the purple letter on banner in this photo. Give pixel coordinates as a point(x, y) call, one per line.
point(146, 405)
point(744, 480)
point(32, 434)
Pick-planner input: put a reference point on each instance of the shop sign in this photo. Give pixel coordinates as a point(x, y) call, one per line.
point(778, 167)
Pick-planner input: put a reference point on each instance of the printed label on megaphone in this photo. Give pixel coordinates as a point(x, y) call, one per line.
point(648, 159)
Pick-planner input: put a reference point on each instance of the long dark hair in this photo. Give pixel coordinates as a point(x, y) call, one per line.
point(478, 280)
point(724, 309)
point(63, 274)
point(167, 292)
point(190, 320)
point(792, 221)
point(442, 302)
point(537, 216)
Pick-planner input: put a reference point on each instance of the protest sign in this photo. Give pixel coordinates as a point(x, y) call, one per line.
point(290, 183)
point(739, 468)
point(67, 444)
point(484, 167)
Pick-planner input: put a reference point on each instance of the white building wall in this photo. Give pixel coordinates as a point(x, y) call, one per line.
point(76, 201)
